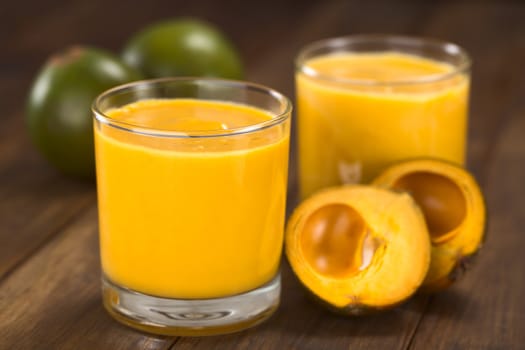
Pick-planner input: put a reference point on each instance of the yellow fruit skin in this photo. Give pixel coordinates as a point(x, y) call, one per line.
point(449, 263)
point(398, 266)
point(451, 257)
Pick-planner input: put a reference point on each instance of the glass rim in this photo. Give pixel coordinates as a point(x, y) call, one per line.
point(400, 40)
point(161, 132)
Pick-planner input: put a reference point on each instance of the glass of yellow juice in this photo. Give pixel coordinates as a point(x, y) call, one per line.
point(191, 181)
point(367, 101)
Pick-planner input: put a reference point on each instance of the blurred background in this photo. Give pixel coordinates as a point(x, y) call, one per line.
point(38, 204)
point(268, 33)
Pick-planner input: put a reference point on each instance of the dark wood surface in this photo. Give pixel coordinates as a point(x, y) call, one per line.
point(49, 262)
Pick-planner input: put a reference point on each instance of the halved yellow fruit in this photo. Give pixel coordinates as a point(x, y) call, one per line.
point(359, 248)
point(454, 210)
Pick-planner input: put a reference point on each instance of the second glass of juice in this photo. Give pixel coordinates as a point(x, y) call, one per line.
point(365, 102)
point(191, 178)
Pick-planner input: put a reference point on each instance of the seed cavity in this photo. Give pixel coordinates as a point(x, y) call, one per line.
point(441, 200)
point(336, 241)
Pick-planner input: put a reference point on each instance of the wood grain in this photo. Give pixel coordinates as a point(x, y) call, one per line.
point(53, 301)
point(487, 309)
point(487, 301)
point(49, 268)
point(35, 202)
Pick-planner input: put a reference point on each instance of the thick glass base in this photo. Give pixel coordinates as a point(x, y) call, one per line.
point(191, 317)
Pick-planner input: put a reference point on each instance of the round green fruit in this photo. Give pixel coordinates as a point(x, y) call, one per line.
point(183, 47)
point(59, 106)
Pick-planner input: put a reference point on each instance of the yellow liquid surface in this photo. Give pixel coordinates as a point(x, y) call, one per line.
point(187, 217)
point(349, 132)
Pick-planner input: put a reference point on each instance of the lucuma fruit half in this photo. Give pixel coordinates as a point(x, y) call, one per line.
point(359, 248)
point(454, 211)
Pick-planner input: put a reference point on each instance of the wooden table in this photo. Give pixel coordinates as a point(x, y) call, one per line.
point(49, 262)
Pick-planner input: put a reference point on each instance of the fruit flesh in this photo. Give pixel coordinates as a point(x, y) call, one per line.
point(384, 264)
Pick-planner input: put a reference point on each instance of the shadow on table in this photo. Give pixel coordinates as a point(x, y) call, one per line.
point(454, 303)
point(300, 314)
